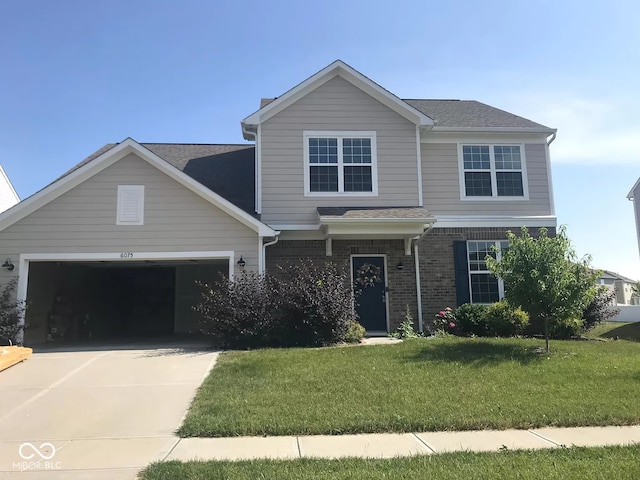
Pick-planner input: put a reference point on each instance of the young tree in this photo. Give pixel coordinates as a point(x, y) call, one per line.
point(545, 277)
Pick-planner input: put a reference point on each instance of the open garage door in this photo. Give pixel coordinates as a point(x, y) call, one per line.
point(77, 301)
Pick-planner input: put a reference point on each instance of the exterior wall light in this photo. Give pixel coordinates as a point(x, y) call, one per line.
point(241, 262)
point(8, 265)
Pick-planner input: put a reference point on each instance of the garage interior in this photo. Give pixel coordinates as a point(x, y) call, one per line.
point(72, 302)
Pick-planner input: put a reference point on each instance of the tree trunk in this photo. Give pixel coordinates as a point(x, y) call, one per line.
point(546, 333)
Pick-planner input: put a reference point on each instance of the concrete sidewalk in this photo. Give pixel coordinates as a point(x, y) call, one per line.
point(388, 445)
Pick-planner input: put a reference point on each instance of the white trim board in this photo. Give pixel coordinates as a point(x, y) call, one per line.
point(109, 158)
point(457, 221)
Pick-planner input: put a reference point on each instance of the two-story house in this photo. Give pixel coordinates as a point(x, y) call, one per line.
point(412, 193)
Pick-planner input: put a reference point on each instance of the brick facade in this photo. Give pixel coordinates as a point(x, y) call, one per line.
point(401, 283)
point(437, 276)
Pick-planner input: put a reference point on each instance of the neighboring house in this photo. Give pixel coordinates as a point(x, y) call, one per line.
point(622, 286)
point(634, 196)
point(8, 195)
point(416, 191)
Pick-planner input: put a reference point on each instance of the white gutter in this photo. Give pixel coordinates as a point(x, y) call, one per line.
point(417, 265)
point(264, 252)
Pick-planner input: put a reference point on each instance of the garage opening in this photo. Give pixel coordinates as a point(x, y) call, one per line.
point(84, 301)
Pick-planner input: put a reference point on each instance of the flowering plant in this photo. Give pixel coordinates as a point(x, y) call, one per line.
point(445, 320)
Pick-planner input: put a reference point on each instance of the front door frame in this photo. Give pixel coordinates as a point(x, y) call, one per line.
point(385, 280)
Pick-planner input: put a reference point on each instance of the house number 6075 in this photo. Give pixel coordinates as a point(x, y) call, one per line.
point(126, 255)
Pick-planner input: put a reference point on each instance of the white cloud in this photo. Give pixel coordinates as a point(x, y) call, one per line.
point(589, 131)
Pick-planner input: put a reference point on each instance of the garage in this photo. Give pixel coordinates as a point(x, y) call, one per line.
point(96, 300)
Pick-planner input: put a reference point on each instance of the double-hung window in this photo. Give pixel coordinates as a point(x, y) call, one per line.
point(483, 286)
point(340, 163)
point(493, 171)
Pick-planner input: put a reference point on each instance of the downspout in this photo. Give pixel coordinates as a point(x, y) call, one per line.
point(416, 258)
point(553, 137)
point(264, 251)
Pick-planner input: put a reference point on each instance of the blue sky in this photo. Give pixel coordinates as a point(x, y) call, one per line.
point(75, 75)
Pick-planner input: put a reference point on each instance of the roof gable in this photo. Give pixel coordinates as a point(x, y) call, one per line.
point(111, 155)
point(338, 68)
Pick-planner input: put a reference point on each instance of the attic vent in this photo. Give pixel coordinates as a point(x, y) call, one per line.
point(130, 205)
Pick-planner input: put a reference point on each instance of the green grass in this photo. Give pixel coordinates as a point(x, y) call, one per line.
point(623, 331)
point(419, 385)
point(571, 463)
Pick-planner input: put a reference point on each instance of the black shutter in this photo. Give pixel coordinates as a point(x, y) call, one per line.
point(461, 270)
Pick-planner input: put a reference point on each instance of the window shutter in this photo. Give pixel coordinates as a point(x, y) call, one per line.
point(461, 270)
point(130, 205)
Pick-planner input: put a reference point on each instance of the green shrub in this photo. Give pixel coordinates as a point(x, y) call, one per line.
point(470, 319)
point(10, 313)
point(303, 305)
point(503, 320)
point(601, 308)
point(355, 333)
point(566, 329)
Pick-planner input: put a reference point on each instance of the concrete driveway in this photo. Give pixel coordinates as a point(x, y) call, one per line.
point(96, 412)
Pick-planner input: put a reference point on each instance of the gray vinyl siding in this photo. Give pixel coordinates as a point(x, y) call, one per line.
point(336, 105)
point(83, 220)
point(441, 184)
point(636, 211)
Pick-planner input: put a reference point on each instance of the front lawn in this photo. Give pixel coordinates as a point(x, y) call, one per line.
point(419, 385)
point(570, 463)
point(613, 330)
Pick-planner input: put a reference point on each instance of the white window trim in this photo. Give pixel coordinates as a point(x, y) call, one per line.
point(476, 272)
point(494, 186)
point(139, 189)
point(340, 135)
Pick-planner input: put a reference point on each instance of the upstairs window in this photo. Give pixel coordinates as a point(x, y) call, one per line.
point(493, 171)
point(340, 163)
point(130, 205)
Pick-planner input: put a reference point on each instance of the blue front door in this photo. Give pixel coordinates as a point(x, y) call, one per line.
point(369, 285)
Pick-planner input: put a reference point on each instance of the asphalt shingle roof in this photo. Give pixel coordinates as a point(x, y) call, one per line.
point(462, 114)
point(374, 213)
point(225, 169)
point(469, 114)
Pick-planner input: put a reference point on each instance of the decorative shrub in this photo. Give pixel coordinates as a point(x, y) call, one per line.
point(601, 308)
point(237, 313)
point(355, 333)
point(313, 304)
point(444, 321)
point(566, 329)
point(406, 330)
point(304, 305)
point(470, 319)
point(10, 313)
point(503, 320)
